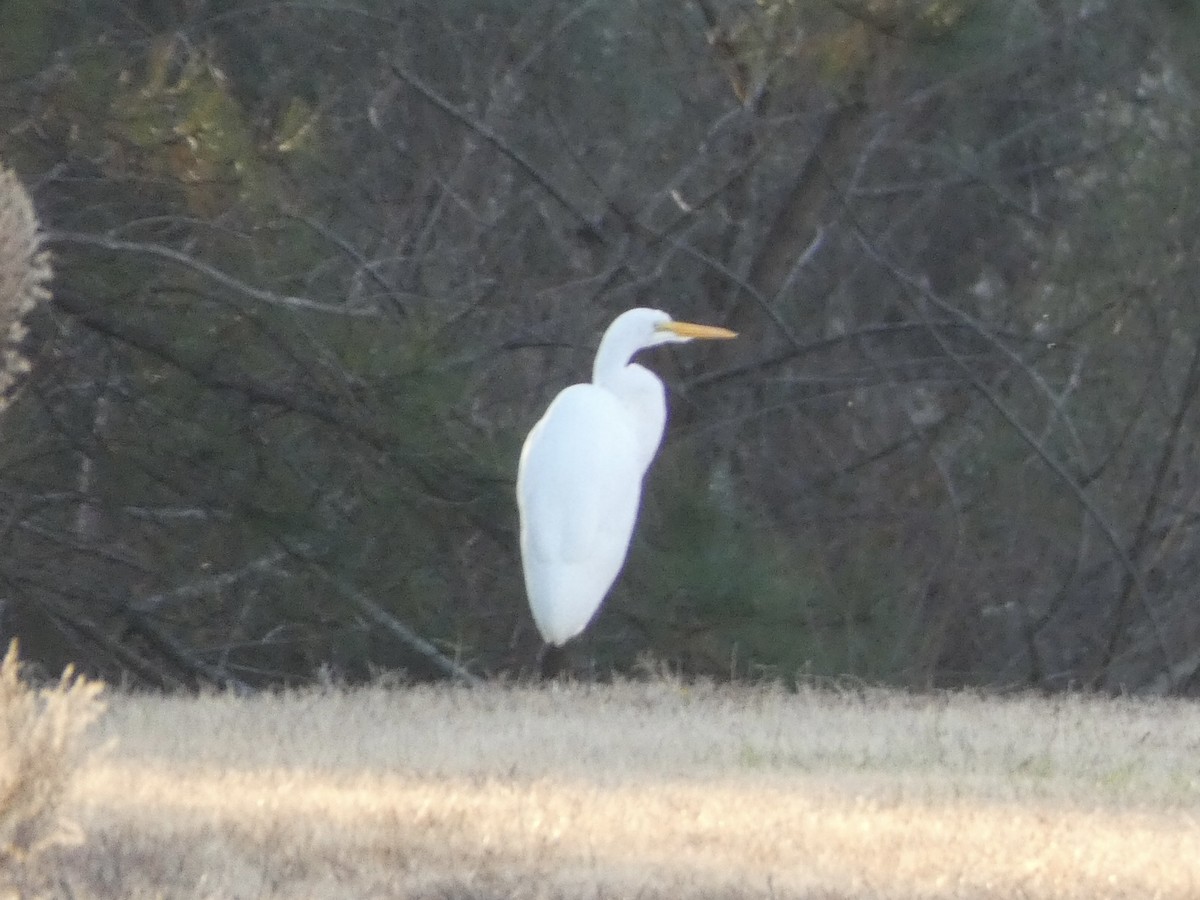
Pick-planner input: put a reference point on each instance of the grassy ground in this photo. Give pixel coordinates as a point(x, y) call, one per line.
point(631, 790)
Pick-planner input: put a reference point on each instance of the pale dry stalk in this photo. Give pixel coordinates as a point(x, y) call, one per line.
point(41, 748)
point(24, 277)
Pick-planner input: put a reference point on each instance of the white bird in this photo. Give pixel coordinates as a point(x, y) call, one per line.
point(579, 481)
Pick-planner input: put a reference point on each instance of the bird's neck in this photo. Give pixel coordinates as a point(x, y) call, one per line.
point(637, 389)
point(612, 356)
point(642, 395)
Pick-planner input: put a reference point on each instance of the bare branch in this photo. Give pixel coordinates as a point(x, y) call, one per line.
point(182, 655)
point(394, 626)
point(1133, 574)
point(160, 251)
point(1175, 675)
point(134, 662)
point(369, 267)
point(1169, 447)
point(196, 589)
point(496, 141)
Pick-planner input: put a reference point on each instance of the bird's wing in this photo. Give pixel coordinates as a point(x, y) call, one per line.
point(578, 488)
point(579, 481)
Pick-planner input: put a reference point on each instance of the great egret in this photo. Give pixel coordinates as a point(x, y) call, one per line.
point(579, 481)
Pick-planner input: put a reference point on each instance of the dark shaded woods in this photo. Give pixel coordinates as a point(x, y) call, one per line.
point(320, 266)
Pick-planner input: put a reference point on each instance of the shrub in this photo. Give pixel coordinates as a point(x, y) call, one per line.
point(40, 750)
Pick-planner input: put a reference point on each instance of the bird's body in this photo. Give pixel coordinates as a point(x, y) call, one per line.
point(579, 481)
point(579, 510)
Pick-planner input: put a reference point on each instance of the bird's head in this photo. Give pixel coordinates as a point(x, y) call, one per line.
point(650, 327)
point(640, 328)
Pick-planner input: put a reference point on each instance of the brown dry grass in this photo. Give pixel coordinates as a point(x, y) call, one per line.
point(637, 790)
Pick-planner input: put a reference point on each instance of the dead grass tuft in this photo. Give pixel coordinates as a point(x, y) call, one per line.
point(40, 751)
point(24, 276)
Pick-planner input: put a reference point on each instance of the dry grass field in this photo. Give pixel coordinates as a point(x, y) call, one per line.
point(638, 790)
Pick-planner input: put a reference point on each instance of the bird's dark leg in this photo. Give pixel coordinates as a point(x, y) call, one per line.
point(553, 661)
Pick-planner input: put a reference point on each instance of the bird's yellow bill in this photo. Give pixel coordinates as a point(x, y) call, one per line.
point(703, 332)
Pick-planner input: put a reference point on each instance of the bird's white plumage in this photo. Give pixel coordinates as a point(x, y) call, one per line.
point(579, 481)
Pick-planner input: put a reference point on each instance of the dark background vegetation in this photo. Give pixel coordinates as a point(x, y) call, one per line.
point(320, 265)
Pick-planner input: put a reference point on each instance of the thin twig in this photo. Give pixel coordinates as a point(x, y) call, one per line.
point(494, 139)
point(161, 251)
point(1169, 451)
point(1130, 568)
point(183, 655)
point(398, 629)
point(196, 589)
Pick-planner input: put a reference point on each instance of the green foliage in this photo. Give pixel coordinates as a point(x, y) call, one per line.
point(188, 127)
point(268, 425)
point(785, 43)
point(712, 589)
point(26, 28)
point(961, 35)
